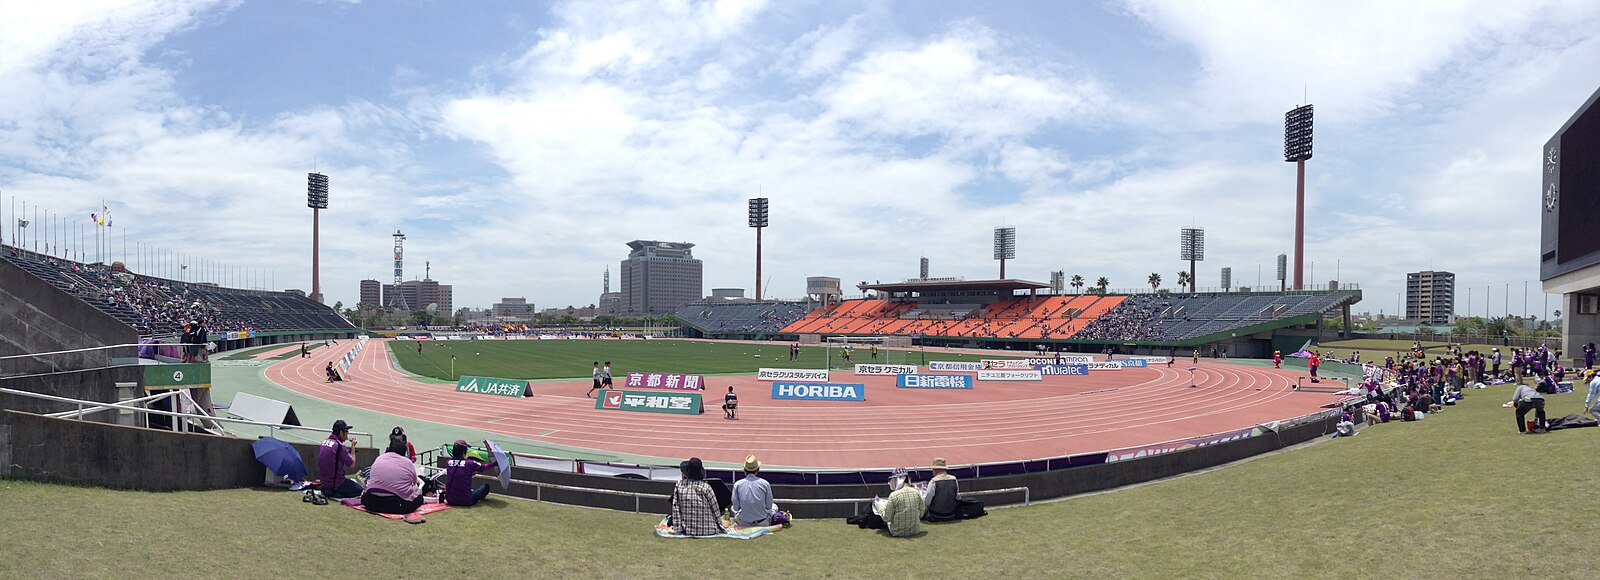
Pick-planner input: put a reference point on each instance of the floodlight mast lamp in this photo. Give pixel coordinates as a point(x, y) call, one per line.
point(317, 200)
point(1005, 247)
point(1296, 150)
point(758, 220)
point(1192, 247)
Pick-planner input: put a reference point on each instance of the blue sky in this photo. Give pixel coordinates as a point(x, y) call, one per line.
point(521, 145)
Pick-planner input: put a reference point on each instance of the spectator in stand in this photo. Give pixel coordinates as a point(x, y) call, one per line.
point(392, 486)
point(459, 471)
point(333, 461)
point(694, 505)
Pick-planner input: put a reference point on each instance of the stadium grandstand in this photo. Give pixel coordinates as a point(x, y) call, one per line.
point(993, 312)
point(158, 307)
point(739, 320)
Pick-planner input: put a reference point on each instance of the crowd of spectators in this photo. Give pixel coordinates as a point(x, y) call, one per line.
point(1137, 318)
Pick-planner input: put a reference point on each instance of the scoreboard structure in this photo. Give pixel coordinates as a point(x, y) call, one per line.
point(1569, 209)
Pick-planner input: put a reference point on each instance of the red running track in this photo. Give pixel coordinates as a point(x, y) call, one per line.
point(996, 421)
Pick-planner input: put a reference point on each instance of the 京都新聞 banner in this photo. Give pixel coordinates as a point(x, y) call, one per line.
point(673, 381)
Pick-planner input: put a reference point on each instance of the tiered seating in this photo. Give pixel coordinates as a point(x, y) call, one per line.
point(160, 307)
point(741, 318)
point(1084, 317)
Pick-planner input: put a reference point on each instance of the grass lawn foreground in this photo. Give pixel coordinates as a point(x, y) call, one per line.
point(1459, 495)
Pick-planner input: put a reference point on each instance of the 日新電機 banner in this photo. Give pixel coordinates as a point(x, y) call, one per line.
point(934, 381)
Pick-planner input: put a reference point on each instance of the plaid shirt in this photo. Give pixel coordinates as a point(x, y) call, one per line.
point(903, 512)
point(694, 509)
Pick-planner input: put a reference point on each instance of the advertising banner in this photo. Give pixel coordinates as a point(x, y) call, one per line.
point(1017, 364)
point(681, 403)
point(872, 369)
point(1104, 366)
point(1132, 363)
point(177, 376)
point(1065, 359)
point(793, 375)
point(965, 367)
point(1077, 369)
point(673, 381)
point(1171, 446)
point(492, 386)
point(820, 391)
point(1010, 376)
point(934, 381)
point(1155, 360)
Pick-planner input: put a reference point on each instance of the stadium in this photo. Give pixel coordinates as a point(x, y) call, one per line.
point(182, 426)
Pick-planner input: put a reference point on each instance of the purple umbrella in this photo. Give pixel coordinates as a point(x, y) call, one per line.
point(502, 460)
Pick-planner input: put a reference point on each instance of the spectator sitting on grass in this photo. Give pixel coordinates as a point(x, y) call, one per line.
point(392, 486)
point(694, 505)
point(459, 470)
point(752, 498)
point(333, 459)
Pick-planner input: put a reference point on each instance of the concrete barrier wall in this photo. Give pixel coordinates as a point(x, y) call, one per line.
point(84, 453)
point(37, 317)
point(89, 385)
point(1041, 485)
point(50, 450)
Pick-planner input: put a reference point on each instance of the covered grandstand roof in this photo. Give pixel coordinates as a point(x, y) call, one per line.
point(954, 286)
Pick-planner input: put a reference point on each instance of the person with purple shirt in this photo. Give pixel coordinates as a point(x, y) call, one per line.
point(333, 459)
point(1588, 356)
point(458, 488)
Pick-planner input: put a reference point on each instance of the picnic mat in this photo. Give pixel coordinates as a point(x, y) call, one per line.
point(427, 508)
point(739, 532)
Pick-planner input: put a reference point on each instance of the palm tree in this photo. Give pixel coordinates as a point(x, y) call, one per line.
point(1102, 282)
point(1154, 281)
point(1077, 283)
point(1183, 280)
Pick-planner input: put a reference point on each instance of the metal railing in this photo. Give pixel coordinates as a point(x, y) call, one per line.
point(638, 496)
point(85, 407)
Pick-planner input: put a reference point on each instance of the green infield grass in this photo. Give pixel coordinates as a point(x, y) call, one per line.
point(572, 359)
point(1458, 495)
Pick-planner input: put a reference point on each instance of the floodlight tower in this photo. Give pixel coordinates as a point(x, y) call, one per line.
point(399, 301)
point(1296, 150)
point(1005, 247)
point(317, 200)
point(758, 220)
point(1227, 279)
point(1283, 271)
point(1192, 247)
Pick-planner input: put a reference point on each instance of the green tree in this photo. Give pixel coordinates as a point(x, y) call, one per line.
point(1102, 283)
point(1077, 283)
point(1183, 280)
point(1154, 281)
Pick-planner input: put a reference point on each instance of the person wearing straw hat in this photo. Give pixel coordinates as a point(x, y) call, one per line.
point(694, 504)
point(752, 498)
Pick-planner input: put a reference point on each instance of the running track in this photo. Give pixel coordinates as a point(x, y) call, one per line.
point(996, 421)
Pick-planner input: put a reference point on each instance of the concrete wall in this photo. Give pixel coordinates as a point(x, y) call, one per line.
point(39, 448)
point(37, 317)
point(1041, 485)
point(90, 385)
